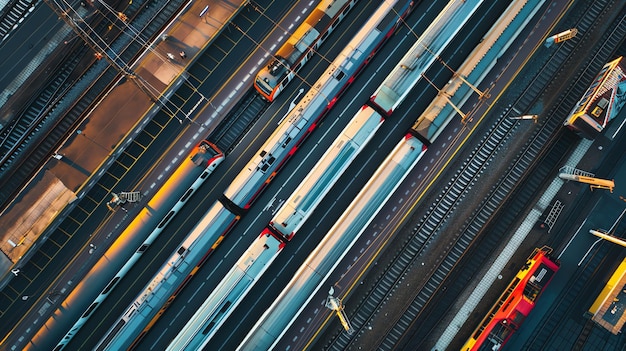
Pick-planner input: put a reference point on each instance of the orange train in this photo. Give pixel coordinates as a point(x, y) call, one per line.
point(514, 305)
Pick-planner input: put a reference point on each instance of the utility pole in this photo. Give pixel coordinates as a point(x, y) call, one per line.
point(335, 304)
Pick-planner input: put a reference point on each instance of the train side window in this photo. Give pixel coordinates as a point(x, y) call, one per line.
point(142, 248)
point(186, 196)
point(165, 220)
point(90, 309)
point(339, 76)
point(109, 286)
point(286, 142)
point(208, 328)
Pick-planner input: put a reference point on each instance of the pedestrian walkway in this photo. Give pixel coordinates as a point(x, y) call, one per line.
point(125, 110)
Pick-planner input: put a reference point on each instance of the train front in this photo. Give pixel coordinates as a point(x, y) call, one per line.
point(267, 80)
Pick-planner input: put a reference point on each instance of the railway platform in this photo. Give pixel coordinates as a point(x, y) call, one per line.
point(125, 109)
point(608, 309)
point(587, 155)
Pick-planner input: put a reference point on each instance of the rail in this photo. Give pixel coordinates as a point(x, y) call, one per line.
point(451, 196)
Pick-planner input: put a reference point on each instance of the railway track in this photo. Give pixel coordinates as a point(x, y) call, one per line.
point(533, 182)
point(241, 118)
point(12, 14)
point(61, 106)
point(581, 289)
point(430, 225)
point(536, 173)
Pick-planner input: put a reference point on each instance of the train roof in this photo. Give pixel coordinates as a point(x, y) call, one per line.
point(392, 16)
point(608, 309)
point(327, 170)
point(420, 56)
point(516, 302)
point(601, 102)
point(299, 42)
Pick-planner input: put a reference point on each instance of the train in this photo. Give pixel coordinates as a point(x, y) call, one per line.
point(158, 295)
point(277, 319)
point(346, 147)
point(152, 219)
point(300, 47)
point(515, 303)
point(284, 311)
point(389, 95)
point(139, 317)
point(602, 101)
point(226, 296)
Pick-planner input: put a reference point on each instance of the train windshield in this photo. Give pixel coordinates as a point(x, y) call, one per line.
point(263, 84)
point(276, 67)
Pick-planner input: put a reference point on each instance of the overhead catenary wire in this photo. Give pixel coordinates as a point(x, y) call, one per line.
point(83, 29)
point(145, 44)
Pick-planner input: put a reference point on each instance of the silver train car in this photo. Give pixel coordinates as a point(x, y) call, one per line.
point(227, 295)
point(346, 147)
point(322, 261)
point(81, 303)
point(300, 47)
point(421, 56)
point(128, 331)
